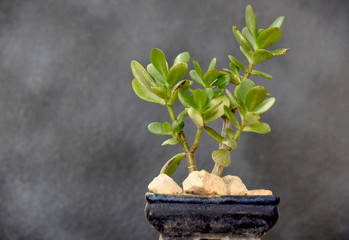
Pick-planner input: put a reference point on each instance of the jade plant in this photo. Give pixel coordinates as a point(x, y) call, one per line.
point(206, 96)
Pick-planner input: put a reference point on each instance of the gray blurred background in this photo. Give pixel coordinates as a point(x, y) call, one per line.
point(76, 157)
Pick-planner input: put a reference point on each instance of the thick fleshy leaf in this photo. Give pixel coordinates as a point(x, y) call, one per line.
point(264, 106)
point(171, 141)
point(255, 96)
point(245, 86)
point(233, 99)
point(186, 99)
point(237, 63)
point(183, 57)
point(239, 98)
point(167, 127)
point(160, 80)
point(156, 128)
point(247, 54)
point(210, 76)
point(196, 117)
point(230, 133)
point(279, 52)
point(260, 31)
point(234, 79)
point(212, 108)
point(242, 40)
point(231, 116)
point(251, 119)
point(196, 77)
point(261, 74)
point(158, 59)
point(201, 99)
point(212, 64)
point(268, 37)
point(177, 126)
point(161, 92)
point(278, 22)
point(218, 92)
point(222, 157)
point(198, 68)
point(209, 93)
point(171, 165)
point(235, 69)
point(230, 143)
point(213, 134)
point(146, 94)
point(246, 33)
point(251, 21)
point(176, 73)
point(258, 128)
point(221, 82)
point(184, 84)
point(219, 111)
point(141, 74)
point(261, 55)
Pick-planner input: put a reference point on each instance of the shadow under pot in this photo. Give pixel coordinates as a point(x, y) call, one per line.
point(192, 217)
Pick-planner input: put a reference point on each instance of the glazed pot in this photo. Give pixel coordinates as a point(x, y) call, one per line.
point(205, 217)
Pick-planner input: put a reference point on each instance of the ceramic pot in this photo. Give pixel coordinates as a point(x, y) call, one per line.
point(192, 217)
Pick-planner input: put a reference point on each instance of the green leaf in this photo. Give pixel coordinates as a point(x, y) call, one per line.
point(212, 64)
point(261, 55)
point(230, 132)
point(198, 68)
point(141, 75)
point(246, 33)
point(238, 98)
point(237, 63)
point(235, 69)
point(230, 143)
point(156, 128)
point(171, 141)
point(167, 127)
point(176, 73)
point(146, 94)
point(196, 77)
point(255, 96)
point(219, 111)
point(222, 157)
point(213, 134)
point(232, 98)
point(171, 165)
point(218, 92)
point(158, 59)
point(258, 128)
point(260, 31)
point(186, 99)
point(242, 40)
point(268, 37)
point(231, 116)
point(201, 99)
point(251, 21)
point(278, 22)
point(196, 117)
point(245, 86)
point(184, 84)
point(251, 119)
point(261, 74)
point(221, 82)
point(209, 93)
point(160, 80)
point(161, 92)
point(264, 106)
point(279, 52)
point(177, 126)
point(212, 108)
point(183, 57)
point(210, 76)
point(247, 54)
point(233, 78)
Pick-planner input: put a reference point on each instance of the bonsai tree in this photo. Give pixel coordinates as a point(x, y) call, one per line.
point(206, 97)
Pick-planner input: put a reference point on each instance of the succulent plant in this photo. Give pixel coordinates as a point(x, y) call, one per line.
point(210, 99)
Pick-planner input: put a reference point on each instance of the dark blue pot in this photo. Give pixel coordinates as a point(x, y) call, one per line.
point(223, 217)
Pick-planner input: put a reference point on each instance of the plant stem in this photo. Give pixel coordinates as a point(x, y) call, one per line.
point(189, 155)
point(249, 70)
point(218, 169)
point(196, 141)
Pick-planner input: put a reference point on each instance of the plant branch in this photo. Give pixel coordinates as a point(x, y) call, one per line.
point(171, 112)
point(248, 73)
point(197, 140)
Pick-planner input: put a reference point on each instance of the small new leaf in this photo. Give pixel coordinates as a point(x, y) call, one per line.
point(183, 57)
point(198, 68)
point(171, 141)
point(231, 116)
point(222, 157)
point(212, 64)
point(237, 63)
point(261, 74)
point(242, 40)
point(279, 52)
point(278, 22)
point(158, 59)
point(196, 77)
point(156, 128)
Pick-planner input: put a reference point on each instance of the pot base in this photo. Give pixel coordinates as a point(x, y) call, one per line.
point(212, 238)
